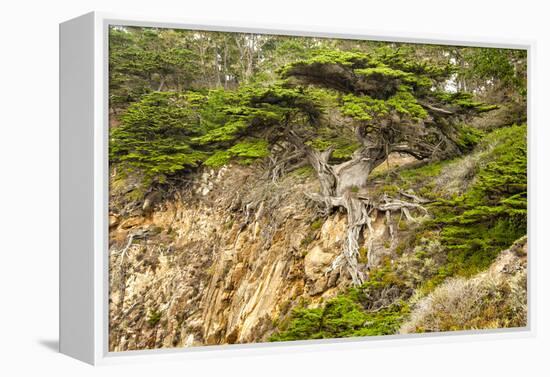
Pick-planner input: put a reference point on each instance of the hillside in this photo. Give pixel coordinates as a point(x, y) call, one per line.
point(237, 258)
point(299, 188)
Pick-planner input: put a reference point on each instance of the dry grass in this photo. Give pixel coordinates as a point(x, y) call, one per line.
point(496, 298)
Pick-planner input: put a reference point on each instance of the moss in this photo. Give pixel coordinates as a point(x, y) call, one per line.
point(420, 174)
point(210, 270)
point(317, 224)
point(401, 247)
point(229, 224)
point(389, 189)
point(309, 238)
point(155, 230)
point(402, 225)
point(363, 255)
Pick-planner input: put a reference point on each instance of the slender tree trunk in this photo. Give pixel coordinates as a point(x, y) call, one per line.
point(225, 73)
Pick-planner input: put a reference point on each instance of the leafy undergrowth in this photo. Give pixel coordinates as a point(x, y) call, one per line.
point(378, 307)
point(484, 217)
point(341, 317)
point(464, 235)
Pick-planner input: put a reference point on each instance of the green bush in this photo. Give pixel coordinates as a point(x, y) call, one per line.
point(341, 317)
point(352, 313)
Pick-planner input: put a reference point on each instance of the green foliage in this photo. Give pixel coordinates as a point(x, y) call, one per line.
point(352, 313)
point(365, 108)
point(163, 134)
point(228, 132)
point(329, 56)
point(168, 133)
point(341, 317)
point(382, 71)
point(142, 60)
point(468, 137)
point(156, 135)
point(464, 100)
point(183, 99)
point(421, 178)
point(405, 58)
point(343, 147)
point(492, 214)
point(504, 67)
point(246, 152)
point(230, 114)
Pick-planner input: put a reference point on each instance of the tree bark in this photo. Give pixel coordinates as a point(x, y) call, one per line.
point(339, 186)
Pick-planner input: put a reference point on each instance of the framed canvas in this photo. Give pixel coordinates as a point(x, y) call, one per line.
point(249, 189)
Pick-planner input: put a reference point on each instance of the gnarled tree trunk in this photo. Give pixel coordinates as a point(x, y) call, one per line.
point(339, 188)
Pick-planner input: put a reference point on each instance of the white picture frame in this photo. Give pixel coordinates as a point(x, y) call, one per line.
point(84, 190)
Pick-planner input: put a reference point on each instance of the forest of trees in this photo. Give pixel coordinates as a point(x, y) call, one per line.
point(181, 100)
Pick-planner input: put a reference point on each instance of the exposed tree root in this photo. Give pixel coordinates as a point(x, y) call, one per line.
point(339, 188)
point(359, 210)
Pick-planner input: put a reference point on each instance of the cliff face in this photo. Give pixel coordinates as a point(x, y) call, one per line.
point(220, 262)
point(231, 256)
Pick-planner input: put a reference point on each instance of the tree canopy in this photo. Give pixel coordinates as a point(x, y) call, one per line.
point(383, 99)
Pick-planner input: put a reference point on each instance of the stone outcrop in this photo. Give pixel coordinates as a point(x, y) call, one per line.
point(219, 263)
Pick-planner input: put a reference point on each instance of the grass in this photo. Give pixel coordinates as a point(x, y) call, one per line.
point(486, 301)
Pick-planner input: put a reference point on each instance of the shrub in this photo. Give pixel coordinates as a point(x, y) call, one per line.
point(375, 308)
point(485, 301)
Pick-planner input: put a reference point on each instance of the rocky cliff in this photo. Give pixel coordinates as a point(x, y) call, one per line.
point(233, 256)
point(220, 262)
